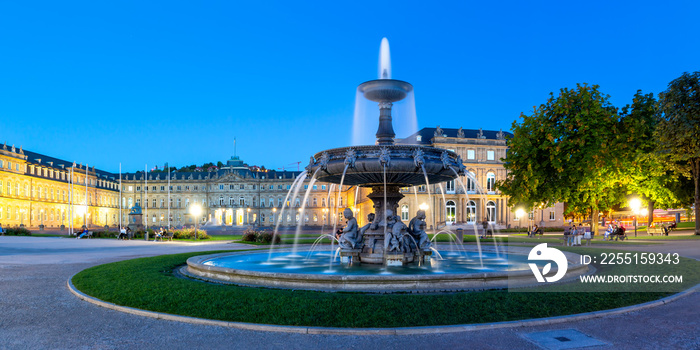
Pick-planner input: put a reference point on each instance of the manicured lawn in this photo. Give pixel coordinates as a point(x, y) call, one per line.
point(149, 283)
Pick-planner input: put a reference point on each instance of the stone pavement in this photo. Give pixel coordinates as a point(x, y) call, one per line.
point(39, 312)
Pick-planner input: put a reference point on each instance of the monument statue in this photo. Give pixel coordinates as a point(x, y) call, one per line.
point(135, 210)
point(350, 238)
point(438, 132)
point(460, 133)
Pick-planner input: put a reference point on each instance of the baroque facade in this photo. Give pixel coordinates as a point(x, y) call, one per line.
point(36, 190)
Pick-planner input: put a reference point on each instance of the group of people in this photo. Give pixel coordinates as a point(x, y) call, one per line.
point(536, 230)
point(160, 234)
point(124, 233)
point(573, 235)
point(614, 231)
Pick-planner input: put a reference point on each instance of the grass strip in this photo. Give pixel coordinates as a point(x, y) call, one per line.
point(149, 283)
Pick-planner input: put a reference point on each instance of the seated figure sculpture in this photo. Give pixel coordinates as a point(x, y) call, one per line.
point(351, 238)
point(416, 227)
point(395, 239)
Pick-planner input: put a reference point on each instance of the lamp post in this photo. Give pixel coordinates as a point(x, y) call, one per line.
point(274, 214)
point(196, 210)
point(519, 213)
point(635, 204)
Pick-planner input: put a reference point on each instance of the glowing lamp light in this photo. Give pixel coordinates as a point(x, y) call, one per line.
point(635, 204)
point(520, 213)
point(423, 206)
point(196, 210)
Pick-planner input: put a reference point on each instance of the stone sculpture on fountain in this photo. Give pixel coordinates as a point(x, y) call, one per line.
point(351, 238)
point(416, 228)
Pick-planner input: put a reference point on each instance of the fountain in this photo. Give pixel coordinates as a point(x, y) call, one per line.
point(385, 168)
point(385, 254)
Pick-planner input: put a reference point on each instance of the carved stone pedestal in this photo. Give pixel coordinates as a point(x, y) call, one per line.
point(350, 256)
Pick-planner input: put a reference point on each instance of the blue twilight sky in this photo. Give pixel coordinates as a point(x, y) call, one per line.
point(147, 82)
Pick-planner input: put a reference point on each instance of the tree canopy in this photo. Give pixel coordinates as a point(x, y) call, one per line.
point(678, 131)
point(567, 151)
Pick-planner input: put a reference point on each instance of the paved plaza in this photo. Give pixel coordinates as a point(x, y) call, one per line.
point(38, 311)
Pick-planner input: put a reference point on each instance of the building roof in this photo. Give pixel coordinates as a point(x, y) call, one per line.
point(33, 157)
point(427, 135)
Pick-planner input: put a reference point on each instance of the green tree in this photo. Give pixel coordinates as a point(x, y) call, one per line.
point(646, 174)
point(678, 131)
point(567, 151)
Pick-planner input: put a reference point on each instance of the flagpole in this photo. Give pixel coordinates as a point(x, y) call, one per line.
point(168, 166)
point(145, 176)
point(70, 193)
point(120, 198)
point(86, 194)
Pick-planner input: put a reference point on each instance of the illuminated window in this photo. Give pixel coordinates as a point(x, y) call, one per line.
point(490, 182)
point(471, 212)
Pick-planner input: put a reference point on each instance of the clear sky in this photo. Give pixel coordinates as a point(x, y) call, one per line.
point(142, 82)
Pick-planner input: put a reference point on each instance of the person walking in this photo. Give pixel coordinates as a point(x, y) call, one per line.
point(579, 234)
point(587, 236)
point(2, 232)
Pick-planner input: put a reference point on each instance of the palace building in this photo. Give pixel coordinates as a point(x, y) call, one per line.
point(38, 190)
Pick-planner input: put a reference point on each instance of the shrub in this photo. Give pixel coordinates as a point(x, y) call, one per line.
point(265, 237)
point(250, 236)
point(17, 231)
point(103, 234)
point(188, 233)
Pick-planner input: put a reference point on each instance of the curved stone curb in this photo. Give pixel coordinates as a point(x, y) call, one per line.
point(382, 331)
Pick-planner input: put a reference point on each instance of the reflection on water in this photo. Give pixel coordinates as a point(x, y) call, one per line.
point(317, 263)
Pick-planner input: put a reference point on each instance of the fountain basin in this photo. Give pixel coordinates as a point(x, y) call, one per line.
point(253, 269)
point(385, 90)
point(366, 170)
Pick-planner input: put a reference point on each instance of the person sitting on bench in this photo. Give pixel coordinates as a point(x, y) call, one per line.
point(85, 233)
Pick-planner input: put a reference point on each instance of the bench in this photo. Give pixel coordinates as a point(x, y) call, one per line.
point(658, 230)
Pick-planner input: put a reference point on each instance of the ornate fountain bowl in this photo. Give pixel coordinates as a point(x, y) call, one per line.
point(385, 90)
point(366, 165)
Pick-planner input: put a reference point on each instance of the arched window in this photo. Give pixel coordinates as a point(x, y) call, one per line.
point(451, 209)
point(323, 202)
point(471, 212)
point(491, 211)
point(315, 203)
point(221, 201)
point(297, 202)
point(490, 181)
point(404, 212)
point(471, 182)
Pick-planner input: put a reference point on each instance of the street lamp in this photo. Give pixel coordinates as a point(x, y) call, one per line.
point(635, 204)
point(423, 207)
point(520, 213)
point(196, 210)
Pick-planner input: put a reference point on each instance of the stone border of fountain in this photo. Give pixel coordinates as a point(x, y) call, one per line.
point(373, 284)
